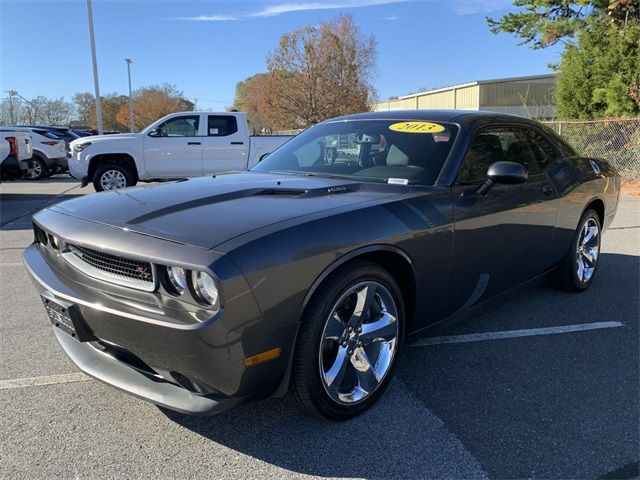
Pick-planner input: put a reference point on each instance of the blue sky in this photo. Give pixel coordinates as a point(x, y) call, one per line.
point(205, 47)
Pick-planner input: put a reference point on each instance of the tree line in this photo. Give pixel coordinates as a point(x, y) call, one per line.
point(150, 103)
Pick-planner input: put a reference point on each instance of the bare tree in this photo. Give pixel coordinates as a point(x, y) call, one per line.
point(85, 104)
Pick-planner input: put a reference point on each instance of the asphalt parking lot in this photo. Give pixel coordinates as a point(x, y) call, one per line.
point(547, 402)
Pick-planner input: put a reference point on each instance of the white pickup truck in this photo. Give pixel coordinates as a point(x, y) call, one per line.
point(186, 144)
point(15, 153)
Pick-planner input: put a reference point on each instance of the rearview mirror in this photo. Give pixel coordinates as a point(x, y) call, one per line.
point(156, 132)
point(370, 138)
point(507, 173)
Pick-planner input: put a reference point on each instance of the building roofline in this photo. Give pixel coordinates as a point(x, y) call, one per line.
point(477, 82)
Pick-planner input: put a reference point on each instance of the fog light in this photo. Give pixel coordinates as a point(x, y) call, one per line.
point(177, 278)
point(205, 287)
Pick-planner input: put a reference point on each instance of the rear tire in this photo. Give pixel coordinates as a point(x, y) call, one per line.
point(37, 169)
point(112, 176)
point(578, 267)
point(343, 360)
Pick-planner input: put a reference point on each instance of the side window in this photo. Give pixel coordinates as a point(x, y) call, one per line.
point(186, 126)
point(486, 148)
point(221, 125)
point(495, 145)
point(543, 150)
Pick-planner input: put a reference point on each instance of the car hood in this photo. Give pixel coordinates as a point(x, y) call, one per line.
point(106, 138)
point(208, 211)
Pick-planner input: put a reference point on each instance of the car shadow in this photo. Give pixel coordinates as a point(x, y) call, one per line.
point(59, 178)
point(400, 436)
point(397, 438)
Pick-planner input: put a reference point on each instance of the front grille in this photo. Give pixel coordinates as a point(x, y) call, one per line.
point(112, 268)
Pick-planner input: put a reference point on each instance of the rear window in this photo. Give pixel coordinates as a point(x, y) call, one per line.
point(46, 133)
point(390, 151)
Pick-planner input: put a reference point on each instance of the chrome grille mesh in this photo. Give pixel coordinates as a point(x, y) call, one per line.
point(111, 268)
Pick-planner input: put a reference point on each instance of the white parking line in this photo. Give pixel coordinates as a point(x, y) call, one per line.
point(530, 332)
point(40, 381)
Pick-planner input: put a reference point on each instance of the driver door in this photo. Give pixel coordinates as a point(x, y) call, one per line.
point(174, 148)
point(503, 238)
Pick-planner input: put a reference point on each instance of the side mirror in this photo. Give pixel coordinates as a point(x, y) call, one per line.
point(156, 132)
point(507, 173)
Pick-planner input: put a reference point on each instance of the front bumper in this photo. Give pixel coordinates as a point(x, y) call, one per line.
point(78, 167)
point(148, 387)
point(150, 347)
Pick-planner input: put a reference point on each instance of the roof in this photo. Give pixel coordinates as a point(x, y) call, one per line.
point(430, 115)
point(482, 82)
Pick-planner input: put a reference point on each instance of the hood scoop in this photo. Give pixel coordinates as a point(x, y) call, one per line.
point(283, 192)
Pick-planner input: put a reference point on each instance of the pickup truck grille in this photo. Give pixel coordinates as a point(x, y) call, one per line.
point(116, 269)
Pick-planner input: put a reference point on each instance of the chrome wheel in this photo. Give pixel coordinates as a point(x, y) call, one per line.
point(113, 179)
point(34, 170)
point(358, 343)
point(588, 249)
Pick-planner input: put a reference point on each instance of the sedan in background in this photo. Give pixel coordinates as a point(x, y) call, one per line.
point(309, 273)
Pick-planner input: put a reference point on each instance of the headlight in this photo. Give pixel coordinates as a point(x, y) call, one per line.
point(205, 287)
point(55, 242)
point(81, 146)
point(177, 278)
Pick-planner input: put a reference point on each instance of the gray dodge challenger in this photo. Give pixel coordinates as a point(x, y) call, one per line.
point(307, 274)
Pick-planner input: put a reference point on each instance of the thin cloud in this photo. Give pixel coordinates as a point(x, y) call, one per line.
point(302, 7)
point(209, 18)
point(391, 18)
point(284, 8)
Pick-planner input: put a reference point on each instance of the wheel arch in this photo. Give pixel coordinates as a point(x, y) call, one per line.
point(596, 204)
point(123, 159)
point(391, 258)
point(38, 153)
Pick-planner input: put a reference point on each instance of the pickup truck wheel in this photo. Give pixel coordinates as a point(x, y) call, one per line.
point(37, 169)
point(348, 343)
point(112, 177)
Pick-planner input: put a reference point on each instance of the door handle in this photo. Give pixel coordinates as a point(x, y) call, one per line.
point(194, 143)
point(237, 143)
point(546, 190)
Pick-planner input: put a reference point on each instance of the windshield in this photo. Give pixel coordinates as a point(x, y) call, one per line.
point(407, 152)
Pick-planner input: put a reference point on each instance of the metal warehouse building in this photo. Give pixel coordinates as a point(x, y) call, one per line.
point(530, 96)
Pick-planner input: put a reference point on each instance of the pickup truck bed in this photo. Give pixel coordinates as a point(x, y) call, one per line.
point(15, 153)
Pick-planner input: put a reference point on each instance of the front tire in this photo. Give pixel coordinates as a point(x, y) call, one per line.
point(113, 177)
point(577, 269)
point(349, 342)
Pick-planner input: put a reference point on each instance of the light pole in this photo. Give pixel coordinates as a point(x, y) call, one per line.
point(132, 126)
point(95, 68)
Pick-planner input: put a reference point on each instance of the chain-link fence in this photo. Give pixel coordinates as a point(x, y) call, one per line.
point(617, 141)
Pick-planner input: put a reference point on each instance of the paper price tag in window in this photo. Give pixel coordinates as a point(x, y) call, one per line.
point(213, 131)
point(398, 181)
